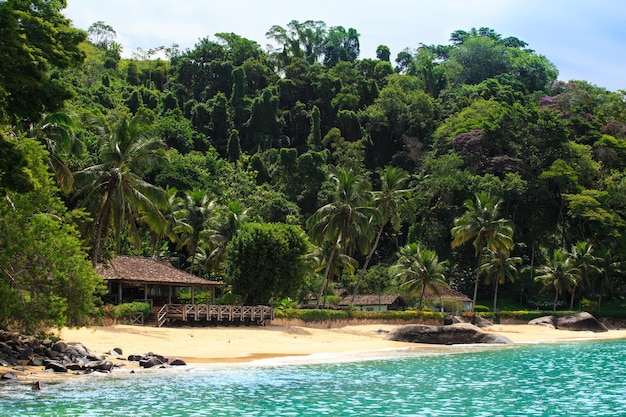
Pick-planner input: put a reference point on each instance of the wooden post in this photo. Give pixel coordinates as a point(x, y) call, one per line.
point(169, 294)
point(119, 292)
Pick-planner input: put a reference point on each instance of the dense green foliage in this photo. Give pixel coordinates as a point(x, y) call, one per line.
point(221, 155)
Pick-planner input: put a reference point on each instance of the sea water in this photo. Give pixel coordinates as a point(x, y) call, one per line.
point(565, 379)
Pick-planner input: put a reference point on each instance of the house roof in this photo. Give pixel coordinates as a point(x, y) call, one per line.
point(446, 292)
point(370, 300)
point(149, 271)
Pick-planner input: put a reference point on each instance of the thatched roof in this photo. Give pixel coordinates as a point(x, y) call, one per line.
point(446, 292)
point(149, 271)
point(372, 300)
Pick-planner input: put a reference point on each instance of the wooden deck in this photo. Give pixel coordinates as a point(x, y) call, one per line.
point(213, 314)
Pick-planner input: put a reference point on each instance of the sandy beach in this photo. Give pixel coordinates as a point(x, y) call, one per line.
point(202, 345)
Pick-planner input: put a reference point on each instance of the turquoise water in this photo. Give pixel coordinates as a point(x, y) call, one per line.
point(570, 379)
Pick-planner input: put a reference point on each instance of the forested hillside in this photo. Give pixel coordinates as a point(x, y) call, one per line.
point(298, 170)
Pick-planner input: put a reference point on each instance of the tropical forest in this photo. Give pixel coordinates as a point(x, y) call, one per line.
point(291, 171)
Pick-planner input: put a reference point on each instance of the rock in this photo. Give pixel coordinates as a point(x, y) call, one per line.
point(105, 366)
point(79, 348)
point(580, 322)
point(177, 362)
point(59, 346)
point(35, 361)
point(151, 362)
point(9, 376)
point(56, 366)
point(547, 321)
point(37, 386)
point(576, 321)
point(444, 335)
point(134, 357)
point(116, 351)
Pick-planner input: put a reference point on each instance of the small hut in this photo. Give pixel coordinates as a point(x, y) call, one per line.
point(133, 278)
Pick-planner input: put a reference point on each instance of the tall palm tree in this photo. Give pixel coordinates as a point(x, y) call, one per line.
point(419, 269)
point(230, 220)
point(112, 190)
point(56, 131)
point(610, 266)
point(498, 268)
point(196, 219)
point(346, 220)
point(481, 225)
point(559, 272)
point(319, 258)
point(586, 262)
point(393, 205)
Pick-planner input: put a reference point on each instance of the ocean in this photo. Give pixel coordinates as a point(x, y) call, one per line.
point(561, 379)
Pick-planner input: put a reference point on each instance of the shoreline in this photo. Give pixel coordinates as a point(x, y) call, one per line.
point(280, 344)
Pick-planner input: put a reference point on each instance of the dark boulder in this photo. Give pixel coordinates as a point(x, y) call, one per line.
point(581, 322)
point(151, 362)
point(177, 362)
point(116, 351)
point(59, 346)
point(576, 321)
point(56, 366)
point(546, 321)
point(9, 376)
point(444, 335)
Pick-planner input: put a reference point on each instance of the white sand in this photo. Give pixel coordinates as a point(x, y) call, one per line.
point(241, 344)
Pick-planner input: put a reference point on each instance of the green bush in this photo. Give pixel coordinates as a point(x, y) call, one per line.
point(480, 308)
point(324, 315)
point(130, 309)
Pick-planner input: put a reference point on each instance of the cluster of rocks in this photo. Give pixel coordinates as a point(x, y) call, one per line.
point(576, 321)
point(459, 333)
point(18, 350)
point(151, 360)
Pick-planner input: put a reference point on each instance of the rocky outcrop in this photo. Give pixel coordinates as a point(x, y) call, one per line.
point(576, 321)
point(62, 357)
point(444, 335)
point(151, 360)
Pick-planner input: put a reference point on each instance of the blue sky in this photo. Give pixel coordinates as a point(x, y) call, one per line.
point(585, 39)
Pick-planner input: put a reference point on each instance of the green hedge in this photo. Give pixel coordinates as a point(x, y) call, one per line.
point(130, 309)
point(315, 315)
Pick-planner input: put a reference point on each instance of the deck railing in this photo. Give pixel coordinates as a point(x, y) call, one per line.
point(209, 313)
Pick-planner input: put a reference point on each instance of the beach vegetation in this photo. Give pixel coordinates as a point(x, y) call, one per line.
point(302, 169)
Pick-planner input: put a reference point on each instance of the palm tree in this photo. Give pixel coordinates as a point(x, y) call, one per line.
point(346, 220)
point(393, 205)
point(611, 266)
point(585, 261)
point(230, 220)
point(112, 190)
point(319, 258)
point(56, 131)
point(498, 268)
point(559, 272)
point(195, 222)
point(420, 269)
point(481, 225)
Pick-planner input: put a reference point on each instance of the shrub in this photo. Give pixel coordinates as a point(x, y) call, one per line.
point(130, 309)
point(480, 308)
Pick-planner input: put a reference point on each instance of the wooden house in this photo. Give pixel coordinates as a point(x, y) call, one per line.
point(132, 278)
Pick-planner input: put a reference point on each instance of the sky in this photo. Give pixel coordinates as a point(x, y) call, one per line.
point(585, 39)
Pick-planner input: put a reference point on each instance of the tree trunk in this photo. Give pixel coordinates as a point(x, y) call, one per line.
point(327, 272)
point(571, 301)
point(102, 218)
point(480, 258)
point(366, 263)
point(495, 297)
point(556, 297)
